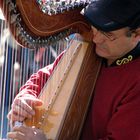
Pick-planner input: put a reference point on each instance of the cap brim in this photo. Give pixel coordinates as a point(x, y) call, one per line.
point(97, 18)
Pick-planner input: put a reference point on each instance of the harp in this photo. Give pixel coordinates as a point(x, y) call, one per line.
point(23, 17)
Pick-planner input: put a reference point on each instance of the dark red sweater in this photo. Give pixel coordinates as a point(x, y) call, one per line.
point(115, 110)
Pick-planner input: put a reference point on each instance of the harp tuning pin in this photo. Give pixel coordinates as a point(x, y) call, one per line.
point(39, 41)
point(22, 29)
point(43, 41)
point(24, 32)
point(55, 38)
point(46, 41)
point(27, 36)
point(66, 38)
point(33, 41)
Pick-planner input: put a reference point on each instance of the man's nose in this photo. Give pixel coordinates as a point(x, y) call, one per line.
point(98, 38)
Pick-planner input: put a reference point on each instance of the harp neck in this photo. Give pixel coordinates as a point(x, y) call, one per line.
point(33, 28)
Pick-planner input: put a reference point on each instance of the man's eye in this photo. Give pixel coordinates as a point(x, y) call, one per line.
point(109, 34)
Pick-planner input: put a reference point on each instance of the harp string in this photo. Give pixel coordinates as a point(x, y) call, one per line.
point(12, 68)
point(4, 80)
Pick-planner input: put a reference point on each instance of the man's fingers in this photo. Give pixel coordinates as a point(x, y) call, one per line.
point(34, 102)
point(22, 129)
point(28, 102)
point(20, 116)
point(26, 133)
point(17, 117)
point(16, 135)
point(9, 115)
point(21, 106)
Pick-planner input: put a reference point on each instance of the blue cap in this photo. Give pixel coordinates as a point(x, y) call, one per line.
point(109, 15)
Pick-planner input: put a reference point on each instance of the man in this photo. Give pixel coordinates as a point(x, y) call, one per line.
point(114, 113)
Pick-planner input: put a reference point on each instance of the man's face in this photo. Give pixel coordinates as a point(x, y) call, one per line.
point(112, 45)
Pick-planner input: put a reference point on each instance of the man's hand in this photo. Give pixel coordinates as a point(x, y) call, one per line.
point(26, 133)
point(23, 107)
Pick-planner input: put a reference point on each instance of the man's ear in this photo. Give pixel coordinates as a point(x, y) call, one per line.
point(137, 34)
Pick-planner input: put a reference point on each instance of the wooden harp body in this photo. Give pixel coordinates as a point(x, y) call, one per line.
point(68, 96)
point(68, 91)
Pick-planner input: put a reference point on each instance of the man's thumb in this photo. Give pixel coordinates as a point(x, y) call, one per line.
point(37, 102)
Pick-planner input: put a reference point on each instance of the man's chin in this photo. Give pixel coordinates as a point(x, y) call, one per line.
point(100, 53)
